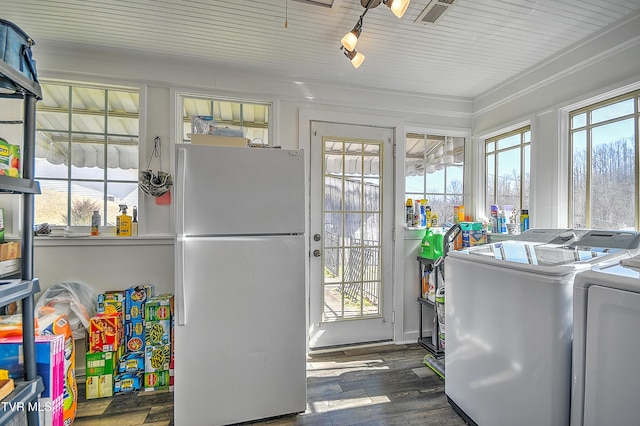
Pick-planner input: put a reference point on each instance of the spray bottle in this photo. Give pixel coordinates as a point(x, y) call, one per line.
point(123, 223)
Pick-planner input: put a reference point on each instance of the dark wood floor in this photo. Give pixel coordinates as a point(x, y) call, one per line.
point(383, 385)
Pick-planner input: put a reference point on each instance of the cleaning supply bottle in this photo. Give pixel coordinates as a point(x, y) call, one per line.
point(409, 213)
point(123, 223)
point(95, 223)
point(524, 220)
point(134, 223)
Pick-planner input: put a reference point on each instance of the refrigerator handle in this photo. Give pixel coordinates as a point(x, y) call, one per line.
point(181, 174)
point(181, 291)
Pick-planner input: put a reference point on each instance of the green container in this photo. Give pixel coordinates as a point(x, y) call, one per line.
point(432, 245)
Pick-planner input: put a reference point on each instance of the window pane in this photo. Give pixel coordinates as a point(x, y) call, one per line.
point(51, 203)
point(526, 181)
point(414, 185)
point(122, 154)
point(613, 175)
point(52, 155)
point(120, 193)
point(491, 180)
point(435, 182)
point(609, 112)
point(579, 120)
point(87, 157)
point(579, 181)
point(491, 146)
point(440, 207)
point(53, 109)
point(509, 178)
point(123, 113)
point(86, 197)
point(88, 110)
point(510, 141)
point(454, 180)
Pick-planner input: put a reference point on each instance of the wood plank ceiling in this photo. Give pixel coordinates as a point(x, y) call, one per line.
point(475, 46)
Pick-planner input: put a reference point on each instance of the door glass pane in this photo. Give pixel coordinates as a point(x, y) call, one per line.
point(352, 225)
point(613, 175)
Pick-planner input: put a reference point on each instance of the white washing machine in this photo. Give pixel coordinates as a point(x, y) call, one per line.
point(605, 386)
point(509, 316)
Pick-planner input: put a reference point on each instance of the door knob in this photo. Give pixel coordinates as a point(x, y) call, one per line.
point(317, 253)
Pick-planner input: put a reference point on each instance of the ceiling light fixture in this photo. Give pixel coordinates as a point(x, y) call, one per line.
point(350, 40)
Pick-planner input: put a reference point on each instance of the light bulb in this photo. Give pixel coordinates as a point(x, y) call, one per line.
point(357, 59)
point(350, 40)
point(398, 7)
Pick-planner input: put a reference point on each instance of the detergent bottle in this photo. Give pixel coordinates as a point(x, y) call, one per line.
point(432, 244)
point(123, 223)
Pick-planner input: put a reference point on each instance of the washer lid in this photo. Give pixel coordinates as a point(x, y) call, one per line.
point(540, 254)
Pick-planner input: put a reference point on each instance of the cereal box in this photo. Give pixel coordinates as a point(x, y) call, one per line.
point(106, 333)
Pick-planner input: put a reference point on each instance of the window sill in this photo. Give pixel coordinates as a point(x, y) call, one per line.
point(102, 240)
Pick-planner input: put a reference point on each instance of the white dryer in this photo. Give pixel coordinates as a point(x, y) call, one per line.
point(605, 385)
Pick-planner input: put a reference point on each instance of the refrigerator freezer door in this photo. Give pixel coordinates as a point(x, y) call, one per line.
point(239, 191)
point(241, 355)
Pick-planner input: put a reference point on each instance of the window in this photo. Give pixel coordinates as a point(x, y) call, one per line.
point(231, 118)
point(86, 153)
point(508, 170)
point(603, 189)
point(434, 170)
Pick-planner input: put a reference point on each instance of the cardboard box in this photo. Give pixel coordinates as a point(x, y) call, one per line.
point(158, 320)
point(157, 380)
point(111, 302)
point(157, 358)
point(135, 299)
point(127, 382)
point(134, 335)
point(474, 238)
point(101, 363)
point(99, 386)
point(218, 140)
point(133, 362)
point(106, 333)
point(10, 250)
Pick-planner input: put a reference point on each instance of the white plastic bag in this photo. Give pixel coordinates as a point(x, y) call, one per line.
point(75, 300)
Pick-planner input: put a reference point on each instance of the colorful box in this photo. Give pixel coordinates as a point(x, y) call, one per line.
point(157, 380)
point(158, 320)
point(474, 238)
point(132, 362)
point(106, 333)
point(135, 299)
point(111, 302)
point(49, 366)
point(134, 335)
point(157, 358)
point(101, 363)
point(9, 159)
point(99, 386)
point(128, 382)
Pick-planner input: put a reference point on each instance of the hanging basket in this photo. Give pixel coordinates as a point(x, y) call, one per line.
point(153, 183)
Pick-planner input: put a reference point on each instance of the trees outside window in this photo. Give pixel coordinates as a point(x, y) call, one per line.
point(603, 185)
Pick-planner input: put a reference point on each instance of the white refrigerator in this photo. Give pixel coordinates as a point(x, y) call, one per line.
point(240, 336)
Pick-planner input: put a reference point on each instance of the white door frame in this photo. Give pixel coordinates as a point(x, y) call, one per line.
point(305, 117)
